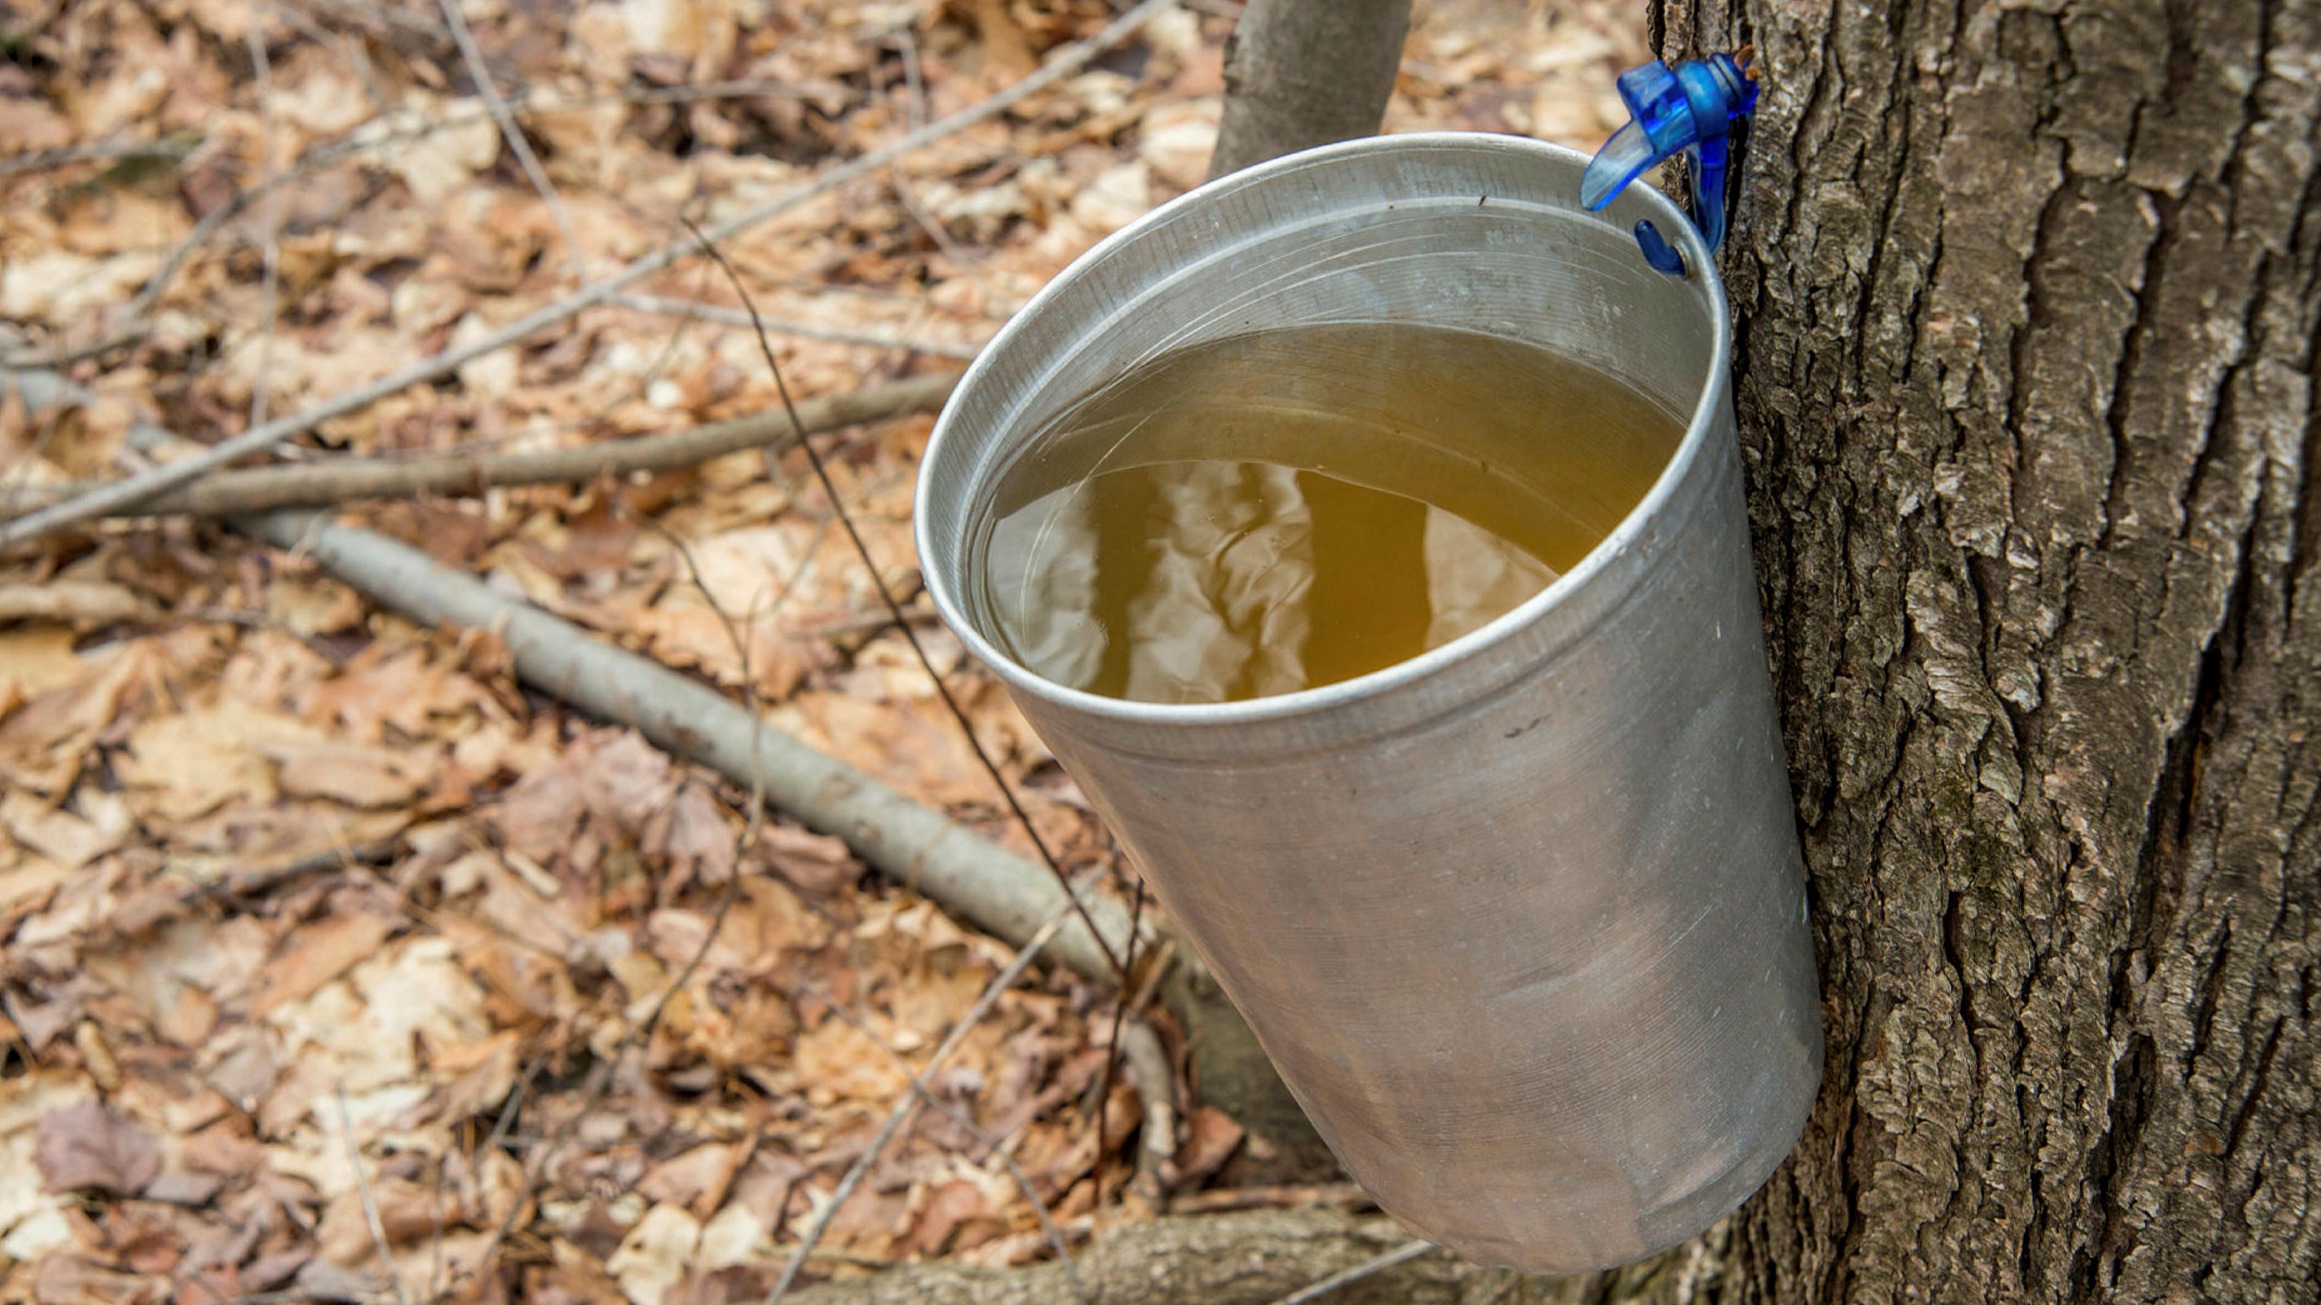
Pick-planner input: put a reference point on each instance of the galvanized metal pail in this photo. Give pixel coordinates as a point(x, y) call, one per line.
point(1521, 920)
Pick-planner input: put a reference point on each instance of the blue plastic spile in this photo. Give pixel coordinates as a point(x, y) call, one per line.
point(1698, 105)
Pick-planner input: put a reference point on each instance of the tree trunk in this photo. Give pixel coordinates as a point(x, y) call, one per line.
point(1301, 73)
point(2027, 298)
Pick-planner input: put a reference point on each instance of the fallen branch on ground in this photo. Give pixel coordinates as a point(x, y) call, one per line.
point(1248, 1258)
point(116, 152)
point(339, 480)
point(997, 890)
point(120, 495)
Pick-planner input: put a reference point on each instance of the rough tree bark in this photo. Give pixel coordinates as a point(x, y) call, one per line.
point(2027, 297)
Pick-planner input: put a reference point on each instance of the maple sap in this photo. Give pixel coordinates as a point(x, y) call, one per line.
point(1288, 509)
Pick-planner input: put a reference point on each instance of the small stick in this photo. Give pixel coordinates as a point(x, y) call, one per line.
point(355, 142)
point(986, 885)
point(1112, 1046)
point(329, 481)
point(118, 495)
point(115, 151)
point(513, 134)
point(908, 1104)
point(1147, 1066)
point(1341, 1195)
point(1402, 1254)
point(270, 279)
point(966, 1125)
point(346, 1120)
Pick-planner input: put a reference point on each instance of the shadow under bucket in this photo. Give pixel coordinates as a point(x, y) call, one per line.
point(1521, 919)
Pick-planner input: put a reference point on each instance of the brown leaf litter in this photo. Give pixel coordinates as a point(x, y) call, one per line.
point(299, 901)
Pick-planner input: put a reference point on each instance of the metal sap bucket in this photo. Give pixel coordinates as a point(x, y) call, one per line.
point(1521, 920)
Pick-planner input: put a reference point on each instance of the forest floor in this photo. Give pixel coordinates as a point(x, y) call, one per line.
point(314, 923)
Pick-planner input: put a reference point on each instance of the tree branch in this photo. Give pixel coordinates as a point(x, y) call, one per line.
point(967, 874)
point(339, 480)
point(1247, 1258)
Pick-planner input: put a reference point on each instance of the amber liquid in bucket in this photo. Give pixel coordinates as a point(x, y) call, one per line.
point(1288, 509)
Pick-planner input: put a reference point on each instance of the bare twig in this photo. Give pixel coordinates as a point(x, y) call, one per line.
point(119, 495)
point(363, 139)
point(1249, 1257)
point(916, 87)
point(908, 1104)
point(339, 480)
point(966, 1125)
point(1402, 1254)
point(1112, 1045)
point(513, 134)
point(785, 326)
point(910, 635)
point(346, 1119)
point(1147, 1065)
point(270, 280)
point(101, 151)
point(990, 887)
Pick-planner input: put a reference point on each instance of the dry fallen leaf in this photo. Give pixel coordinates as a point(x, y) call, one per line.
point(1211, 1137)
point(323, 951)
point(352, 773)
point(950, 1209)
point(655, 1254)
point(89, 1147)
point(76, 602)
point(816, 864)
point(193, 762)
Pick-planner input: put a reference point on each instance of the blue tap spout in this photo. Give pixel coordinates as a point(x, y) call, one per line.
point(1690, 108)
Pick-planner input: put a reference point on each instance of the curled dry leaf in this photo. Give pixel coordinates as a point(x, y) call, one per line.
point(1211, 1138)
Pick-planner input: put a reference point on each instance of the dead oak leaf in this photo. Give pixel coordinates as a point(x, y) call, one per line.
point(88, 1147)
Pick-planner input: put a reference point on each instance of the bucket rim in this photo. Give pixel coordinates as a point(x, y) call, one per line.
point(1628, 536)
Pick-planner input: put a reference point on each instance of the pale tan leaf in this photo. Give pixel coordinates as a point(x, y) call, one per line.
point(655, 1254)
point(352, 773)
point(74, 602)
point(323, 951)
point(67, 838)
point(196, 761)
